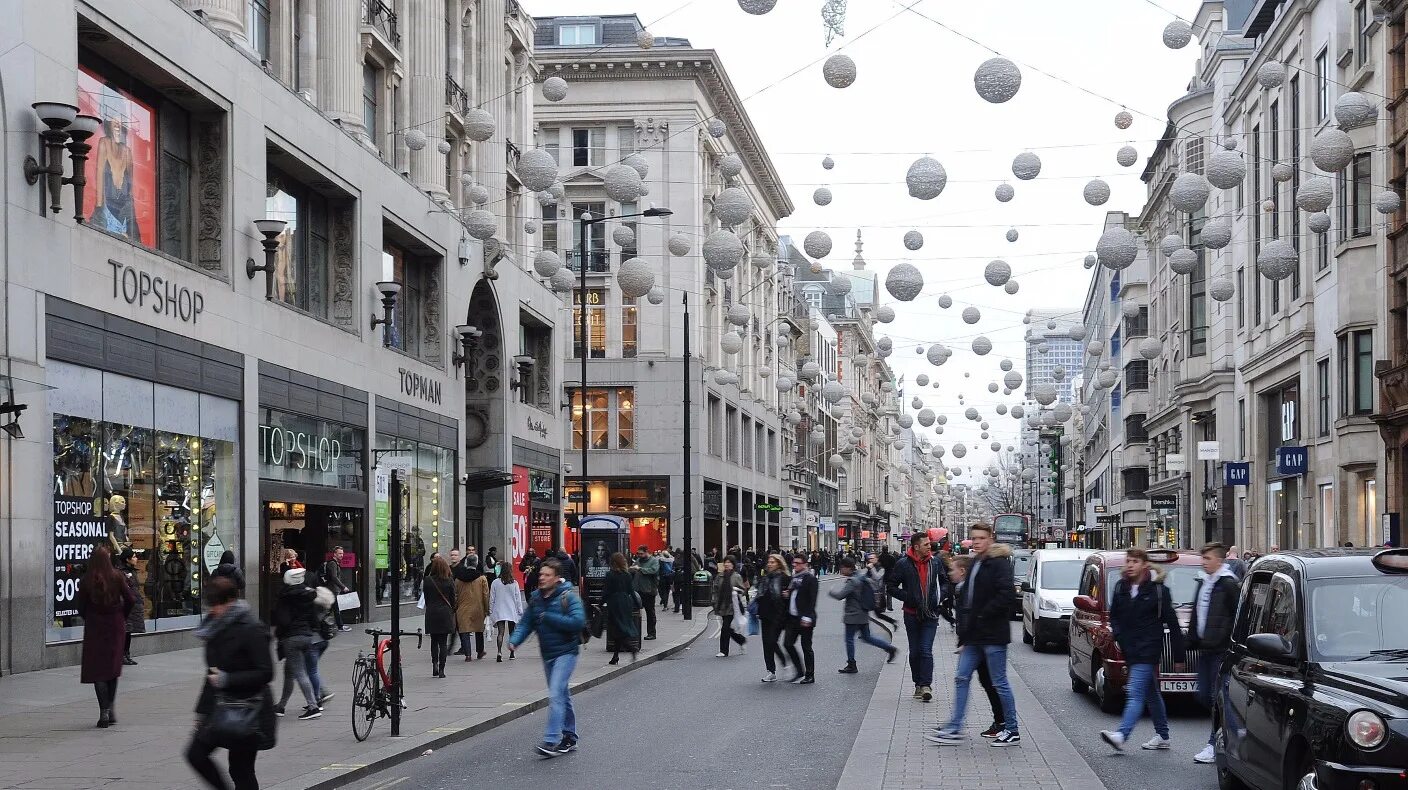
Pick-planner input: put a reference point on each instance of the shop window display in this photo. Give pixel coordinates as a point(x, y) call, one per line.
point(428, 510)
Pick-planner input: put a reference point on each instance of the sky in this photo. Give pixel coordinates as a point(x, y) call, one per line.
point(914, 96)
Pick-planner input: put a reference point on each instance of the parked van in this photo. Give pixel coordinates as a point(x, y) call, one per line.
point(1047, 592)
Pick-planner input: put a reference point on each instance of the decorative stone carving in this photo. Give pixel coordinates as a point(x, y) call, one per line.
point(210, 194)
point(652, 131)
point(344, 265)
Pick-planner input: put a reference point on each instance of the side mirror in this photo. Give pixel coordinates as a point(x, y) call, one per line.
point(1270, 647)
point(1087, 604)
point(1026, 586)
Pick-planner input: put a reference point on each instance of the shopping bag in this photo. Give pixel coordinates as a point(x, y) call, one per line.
point(349, 601)
point(421, 603)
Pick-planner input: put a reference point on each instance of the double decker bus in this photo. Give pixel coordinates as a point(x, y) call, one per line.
point(1012, 528)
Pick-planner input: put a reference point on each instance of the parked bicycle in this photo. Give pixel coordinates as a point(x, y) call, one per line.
point(372, 688)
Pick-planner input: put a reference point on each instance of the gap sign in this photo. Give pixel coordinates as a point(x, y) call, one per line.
point(1236, 473)
point(1290, 460)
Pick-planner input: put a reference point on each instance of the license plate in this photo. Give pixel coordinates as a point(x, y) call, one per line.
point(1178, 686)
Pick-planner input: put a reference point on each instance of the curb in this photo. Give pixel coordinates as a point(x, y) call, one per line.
point(410, 747)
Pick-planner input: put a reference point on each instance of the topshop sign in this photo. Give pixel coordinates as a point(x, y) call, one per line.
point(298, 449)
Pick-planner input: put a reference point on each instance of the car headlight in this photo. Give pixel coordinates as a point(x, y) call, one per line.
point(1048, 605)
point(1366, 729)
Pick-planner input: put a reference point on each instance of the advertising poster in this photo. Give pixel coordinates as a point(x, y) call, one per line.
point(602, 536)
point(518, 541)
point(381, 520)
point(121, 171)
point(78, 529)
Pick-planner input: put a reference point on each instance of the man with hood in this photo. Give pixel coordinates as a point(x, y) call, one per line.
point(1210, 626)
point(919, 582)
point(1140, 609)
point(555, 611)
point(471, 601)
point(230, 570)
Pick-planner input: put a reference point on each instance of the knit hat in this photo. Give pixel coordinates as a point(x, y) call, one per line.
point(294, 576)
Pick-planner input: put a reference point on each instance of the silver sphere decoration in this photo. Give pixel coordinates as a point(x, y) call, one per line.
point(563, 280)
point(885, 314)
point(415, 139)
point(945, 301)
point(1183, 261)
point(1281, 172)
point(1170, 244)
point(971, 315)
point(935, 355)
point(904, 282)
point(481, 223)
point(478, 125)
point(1189, 192)
point(623, 236)
point(656, 295)
point(997, 80)
point(959, 451)
point(478, 194)
point(730, 165)
point(833, 391)
point(1094, 348)
point(1011, 286)
point(827, 163)
point(1229, 143)
point(1278, 260)
point(737, 314)
point(1151, 347)
point(1226, 169)
point(1012, 234)
point(1354, 110)
point(732, 206)
point(1117, 248)
point(913, 240)
point(922, 379)
point(810, 370)
point(1221, 289)
point(638, 162)
point(1123, 120)
point(538, 170)
point(1106, 379)
point(783, 383)
point(1217, 233)
point(1004, 193)
point(981, 345)
point(1096, 192)
point(716, 127)
point(905, 420)
point(554, 89)
point(1271, 75)
point(1026, 166)
point(546, 263)
point(623, 184)
point(836, 461)
point(996, 273)
point(1318, 222)
point(679, 245)
point(731, 342)
point(839, 284)
point(1044, 393)
point(443, 146)
point(1012, 379)
point(1177, 34)
point(757, 7)
point(1315, 194)
point(1331, 150)
point(925, 417)
point(1018, 411)
point(1387, 202)
point(817, 244)
point(645, 39)
point(971, 414)
point(1090, 260)
point(839, 71)
point(926, 178)
point(1127, 156)
point(722, 250)
point(822, 196)
point(1005, 364)
point(635, 277)
point(1130, 308)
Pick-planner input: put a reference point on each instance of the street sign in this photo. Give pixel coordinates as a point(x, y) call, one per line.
point(1209, 451)
point(1058, 523)
point(767, 507)
point(1236, 473)
point(580, 497)
point(1059, 533)
point(1290, 460)
point(1175, 463)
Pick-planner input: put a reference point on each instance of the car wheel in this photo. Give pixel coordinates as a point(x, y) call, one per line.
point(1110, 701)
point(1304, 777)
point(1226, 780)
point(1026, 635)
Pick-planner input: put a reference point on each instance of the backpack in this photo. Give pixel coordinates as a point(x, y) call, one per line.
point(667, 569)
point(865, 595)
point(586, 635)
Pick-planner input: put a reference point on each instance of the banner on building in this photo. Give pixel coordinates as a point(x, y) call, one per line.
point(522, 513)
point(78, 529)
point(1209, 451)
point(1236, 473)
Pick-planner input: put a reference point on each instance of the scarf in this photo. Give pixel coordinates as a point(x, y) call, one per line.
point(236, 612)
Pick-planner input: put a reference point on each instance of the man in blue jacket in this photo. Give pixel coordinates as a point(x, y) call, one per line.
point(556, 612)
point(1140, 609)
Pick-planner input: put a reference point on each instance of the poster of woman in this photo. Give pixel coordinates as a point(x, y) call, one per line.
point(122, 170)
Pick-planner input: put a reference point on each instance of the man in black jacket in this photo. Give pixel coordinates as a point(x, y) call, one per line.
point(1210, 628)
point(919, 581)
point(331, 574)
point(1140, 609)
point(985, 626)
point(801, 620)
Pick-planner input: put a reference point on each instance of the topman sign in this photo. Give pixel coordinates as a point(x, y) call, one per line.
point(417, 386)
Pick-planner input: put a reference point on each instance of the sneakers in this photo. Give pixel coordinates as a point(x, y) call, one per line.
point(806, 681)
point(548, 750)
point(1113, 738)
point(1007, 738)
point(279, 710)
point(310, 713)
point(345, 628)
point(770, 677)
point(919, 692)
point(721, 654)
point(324, 697)
point(894, 651)
point(1206, 756)
point(926, 693)
point(743, 650)
point(945, 737)
point(1158, 742)
point(566, 745)
point(993, 731)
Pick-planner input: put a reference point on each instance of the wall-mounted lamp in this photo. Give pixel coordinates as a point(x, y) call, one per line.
point(524, 364)
point(469, 338)
point(12, 428)
point(63, 124)
point(271, 230)
point(389, 290)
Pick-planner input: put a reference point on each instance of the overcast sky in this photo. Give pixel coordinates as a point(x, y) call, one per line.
point(913, 96)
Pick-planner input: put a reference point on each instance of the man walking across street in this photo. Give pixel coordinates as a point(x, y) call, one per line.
point(1210, 627)
point(860, 597)
point(984, 628)
point(332, 579)
point(647, 584)
point(801, 620)
point(556, 613)
point(919, 582)
point(1140, 609)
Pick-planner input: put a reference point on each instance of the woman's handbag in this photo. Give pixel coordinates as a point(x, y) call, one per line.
point(236, 723)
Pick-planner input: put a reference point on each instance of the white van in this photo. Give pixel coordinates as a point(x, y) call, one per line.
point(1048, 592)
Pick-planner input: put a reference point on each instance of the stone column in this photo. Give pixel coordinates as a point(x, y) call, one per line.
point(227, 16)
point(424, 40)
point(493, 77)
point(339, 71)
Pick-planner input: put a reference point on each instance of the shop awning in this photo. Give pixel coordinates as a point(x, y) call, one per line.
point(485, 479)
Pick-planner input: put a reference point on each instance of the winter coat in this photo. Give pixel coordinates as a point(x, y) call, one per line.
point(238, 645)
point(558, 618)
point(620, 598)
point(1138, 622)
point(647, 579)
point(902, 584)
point(332, 577)
point(849, 591)
point(988, 619)
point(471, 604)
point(296, 611)
point(505, 602)
point(439, 605)
point(721, 591)
point(137, 615)
point(569, 566)
point(104, 635)
point(1222, 610)
point(772, 596)
point(229, 570)
point(804, 588)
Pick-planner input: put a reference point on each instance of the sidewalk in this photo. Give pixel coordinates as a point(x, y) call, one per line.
point(891, 752)
point(48, 741)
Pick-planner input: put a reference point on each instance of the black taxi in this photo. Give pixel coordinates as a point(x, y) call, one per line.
point(1313, 694)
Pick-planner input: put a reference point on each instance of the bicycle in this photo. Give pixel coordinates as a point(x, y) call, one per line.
point(372, 694)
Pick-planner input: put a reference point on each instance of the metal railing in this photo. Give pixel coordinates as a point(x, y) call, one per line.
point(597, 261)
point(382, 19)
point(456, 98)
point(511, 155)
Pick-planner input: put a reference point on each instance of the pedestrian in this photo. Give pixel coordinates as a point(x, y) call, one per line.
point(1235, 563)
point(294, 612)
point(647, 583)
point(556, 613)
point(859, 595)
point(622, 601)
point(290, 561)
point(471, 604)
point(439, 592)
point(1140, 609)
point(958, 574)
point(918, 581)
point(240, 670)
point(727, 592)
point(874, 574)
point(801, 621)
point(684, 574)
point(505, 608)
point(491, 562)
point(530, 559)
point(230, 569)
point(323, 633)
point(985, 628)
point(1210, 628)
point(104, 600)
point(136, 622)
point(667, 577)
point(569, 566)
point(530, 578)
point(772, 613)
point(331, 575)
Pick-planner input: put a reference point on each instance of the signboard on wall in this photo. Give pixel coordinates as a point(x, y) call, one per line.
point(522, 513)
point(1236, 473)
point(78, 529)
point(1209, 451)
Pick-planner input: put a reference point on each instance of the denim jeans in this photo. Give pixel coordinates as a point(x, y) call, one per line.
point(562, 719)
point(862, 630)
point(296, 650)
point(995, 657)
point(315, 652)
point(1208, 666)
point(921, 648)
point(1140, 690)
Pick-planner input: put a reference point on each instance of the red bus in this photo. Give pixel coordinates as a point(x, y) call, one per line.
point(1012, 528)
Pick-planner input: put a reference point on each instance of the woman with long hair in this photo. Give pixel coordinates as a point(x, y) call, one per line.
point(621, 605)
point(772, 612)
point(104, 599)
point(439, 592)
point(505, 607)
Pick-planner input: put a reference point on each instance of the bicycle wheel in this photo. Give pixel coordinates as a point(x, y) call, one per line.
point(363, 701)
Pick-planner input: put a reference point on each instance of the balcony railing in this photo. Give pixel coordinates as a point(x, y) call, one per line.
point(597, 261)
point(511, 155)
point(382, 19)
point(456, 98)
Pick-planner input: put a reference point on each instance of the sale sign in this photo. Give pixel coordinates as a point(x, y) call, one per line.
point(78, 529)
point(522, 507)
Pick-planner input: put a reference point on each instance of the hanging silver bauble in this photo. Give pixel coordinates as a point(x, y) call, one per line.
point(1004, 193)
point(731, 342)
point(1096, 192)
point(1095, 348)
point(1354, 110)
point(478, 125)
point(1130, 308)
point(1226, 169)
point(1319, 222)
point(971, 414)
point(997, 80)
point(822, 196)
point(679, 245)
point(1331, 150)
point(554, 89)
point(623, 184)
point(481, 223)
point(905, 420)
point(1315, 194)
point(783, 384)
point(737, 314)
point(885, 314)
point(757, 7)
point(645, 39)
point(925, 417)
point(1183, 261)
point(827, 163)
point(981, 345)
point(926, 178)
point(478, 194)
point(1011, 286)
point(1005, 364)
point(884, 343)
point(783, 339)
point(996, 273)
point(1044, 393)
point(546, 263)
point(623, 236)
point(1151, 347)
point(1271, 75)
point(1106, 379)
point(1189, 192)
point(1117, 248)
point(466, 180)
point(935, 354)
point(656, 295)
point(1387, 202)
point(810, 370)
point(1221, 289)
point(1123, 120)
point(538, 170)
point(722, 250)
point(1058, 373)
point(817, 244)
point(1026, 166)
point(558, 191)
point(833, 391)
point(732, 207)
point(563, 280)
point(443, 146)
point(1281, 172)
point(635, 277)
point(1012, 379)
point(839, 71)
point(716, 128)
point(839, 284)
point(1076, 332)
point(1000, 408)
point(945, 301)
point(1177, 34)
point(904, 282)
point(1278, 259)
point(913, 240)
point(1017, 412)
point(638, 162)
point(1091, 260)
point(971, 315)
point(730, 165)
point(1127, 156)
point(1217, 233)
point(415, 139)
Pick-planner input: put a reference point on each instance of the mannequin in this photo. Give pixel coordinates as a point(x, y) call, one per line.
point(117, 524)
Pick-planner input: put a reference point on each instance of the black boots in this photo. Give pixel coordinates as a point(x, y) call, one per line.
point(849, 669)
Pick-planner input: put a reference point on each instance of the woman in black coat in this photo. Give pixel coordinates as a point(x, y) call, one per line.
point(136, 616)
point(104, 599)
point(439, 592)
point(772, 613)
point(240, 667)
point(621, 605)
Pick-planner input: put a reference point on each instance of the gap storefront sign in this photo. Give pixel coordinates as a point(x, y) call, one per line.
point(309, 451)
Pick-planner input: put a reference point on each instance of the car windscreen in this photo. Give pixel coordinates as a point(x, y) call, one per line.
point(1021, 563)
point(1181, 581)
point(1352, 617)
point(1060, 574)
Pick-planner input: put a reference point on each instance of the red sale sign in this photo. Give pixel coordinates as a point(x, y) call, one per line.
point(518, 540)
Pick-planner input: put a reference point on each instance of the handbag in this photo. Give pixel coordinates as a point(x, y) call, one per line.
point(236, 723)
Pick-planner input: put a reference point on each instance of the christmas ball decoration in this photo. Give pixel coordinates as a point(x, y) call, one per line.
point(1221, 289)
point(1189, 192)
point(885, 314)
point(731, 342)
point(981, 345)
point(1318, 222)
point(1062, 412)
point(817, 244)
point(1091, 260)
point(1127, 156)
point(1226, 169)
point(478, 194)
point(822, 196)
point(558, 192)
point(415, 139)
point(839, 71)
point(1217, 233)
point(1012, 234)
point(945, 301)
point(554, 89)
point(623, 184)
point(1123, 120)
point(716, 127)
point(1354, 110)
point(538, 170)
point(1012, 379)
point(935, 354)
point(959, 451)
point(922, 379)
point(1331, 150)
point(971, 414)
point(996, 273)
point(1017, 412)
point(783, 339)
point(730, 165)
point(563, 280)
point(1387, 202)
point(478, 125)
point(1011, 286)
point(656, 295)
point(840, 284)
point(1130, 308)
point(971, 315)
point(1183, 261)
point(722, 250)
point(679, 245)
point(1058, 373)
point(926, 178)
point(1096, 192)
point(1095, 348)
point(836, 461)
point(635, 277)
point(1076, 333)
point(443, 146)
point(827, 163)
point(757, 7)
point(783, 383)
point(1001, 408)
point(546, 263)
point(833, 391)
point(1230, 143)
point(1106, 379)
point(913, 240)
point(1117, 248)
point(810, 370)
point(884, 344)
point(1278, 260)
point(481, 223)
point(466, 180)
point(623, 236)
point(638, 162)
point(732, 206)
point(925, 417)
point(1271, 75)
point(737, 314)
point(1004, 193)
point(1281, 172)
point(904, 282)
point(1005, 364)
point(1150, 347)
point(938, 451)
point(1177, 34)
point(1026, 166)
point(1315, 194)
point(997, 80)
point(645, 39)
point(1045, 394)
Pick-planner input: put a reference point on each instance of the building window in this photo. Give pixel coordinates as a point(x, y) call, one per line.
point(747, 441)
point(813, 297)
point(1273, 131)
point(716, 429)
point(1356, 198)
point(1322, 249)
point(1256, 289)
point(414, 274)
point(596, 322)
point(257, 27)
point(1370, 502)
point(1363, 344)
point(588, 147)
point(625, 141)
point(1136, 375)
point(609, 415)
point(1193, 153)
point(629, 326)
point(1327, 514)
point(1115, 402)
point(1256, 177)
point(576, 35)
point(535, 341)
point(1342, 347)
point(302, 265)
point(371, 84)
point(1322, 84)
point(597, 254)
point(731, 434)
point(1241, 428)
point(1241, 297)
point(1322, 392)
point(549, 227)
point(1361, 29)
point(625, 418)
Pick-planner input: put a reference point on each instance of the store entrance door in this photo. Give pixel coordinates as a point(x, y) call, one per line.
point(312, 532)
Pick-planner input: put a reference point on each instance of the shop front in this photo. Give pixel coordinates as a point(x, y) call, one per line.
point(537, 502)
point(643, 502)
point(426, 441)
